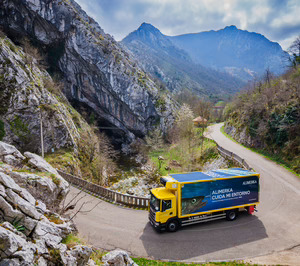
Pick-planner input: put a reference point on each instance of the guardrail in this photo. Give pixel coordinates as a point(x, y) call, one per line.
point(108, 194)
point(230, 155)
point(129, 200)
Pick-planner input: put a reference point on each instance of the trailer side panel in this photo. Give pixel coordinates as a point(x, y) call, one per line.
point(218, 194)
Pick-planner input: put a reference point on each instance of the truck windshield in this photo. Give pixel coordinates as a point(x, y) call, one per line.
point(154, 203)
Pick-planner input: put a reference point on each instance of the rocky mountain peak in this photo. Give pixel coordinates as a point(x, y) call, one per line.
point(148, 27)
point(231, 28)
point(148, 34)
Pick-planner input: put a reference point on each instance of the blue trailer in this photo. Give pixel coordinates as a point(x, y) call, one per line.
point(202, 196)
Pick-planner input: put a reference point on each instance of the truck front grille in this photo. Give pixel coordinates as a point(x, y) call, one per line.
point(152, 215)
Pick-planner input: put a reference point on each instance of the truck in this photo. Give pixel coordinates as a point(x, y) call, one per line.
point(197, 197)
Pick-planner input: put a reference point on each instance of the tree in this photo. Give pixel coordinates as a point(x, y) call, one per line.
point(200, 107)
point(96, 154)
point(154, 139)
point(268, 76)
point(188, 136)
point(203, 109)
point(294, 51)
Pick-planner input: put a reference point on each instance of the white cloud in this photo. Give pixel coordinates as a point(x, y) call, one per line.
point(278, 20)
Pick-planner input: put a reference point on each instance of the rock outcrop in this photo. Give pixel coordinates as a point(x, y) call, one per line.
point(240, 136)
point(25, 99)
point(118, 257)
point(35, 175)
point(31, 234)
point(97, 72)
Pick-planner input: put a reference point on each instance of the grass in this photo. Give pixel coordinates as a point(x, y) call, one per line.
point(54, 178)
point(54, 218)
point(64, 159)
point(174, 153)
point(146, 262)
point(73, 240)
point(273, 157)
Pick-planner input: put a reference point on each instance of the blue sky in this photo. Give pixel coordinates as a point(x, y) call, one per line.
point(278, 20)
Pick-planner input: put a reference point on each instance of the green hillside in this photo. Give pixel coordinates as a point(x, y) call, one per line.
point(267, 117)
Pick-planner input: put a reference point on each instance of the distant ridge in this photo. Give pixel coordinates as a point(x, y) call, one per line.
point(239, 52)
point(210, 62)
point(165, 60)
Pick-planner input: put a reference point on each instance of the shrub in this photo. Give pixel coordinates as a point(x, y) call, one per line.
point(19, 128)
point(55, 179)
point(2, 130)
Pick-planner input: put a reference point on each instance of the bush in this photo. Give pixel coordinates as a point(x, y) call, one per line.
point(2, 130)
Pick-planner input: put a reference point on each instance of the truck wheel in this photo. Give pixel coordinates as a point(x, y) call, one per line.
point(172, 226)
point(231, 215)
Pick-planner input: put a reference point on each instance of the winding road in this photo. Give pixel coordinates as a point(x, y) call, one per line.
point(275, 227)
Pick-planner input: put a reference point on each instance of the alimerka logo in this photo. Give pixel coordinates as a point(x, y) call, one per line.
point(250, 182)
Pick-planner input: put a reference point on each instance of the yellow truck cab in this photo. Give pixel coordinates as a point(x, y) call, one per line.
point(199, 197)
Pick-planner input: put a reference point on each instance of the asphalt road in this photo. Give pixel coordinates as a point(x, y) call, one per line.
point(275, 227)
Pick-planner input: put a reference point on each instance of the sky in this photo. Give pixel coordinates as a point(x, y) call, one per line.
point(278, 20)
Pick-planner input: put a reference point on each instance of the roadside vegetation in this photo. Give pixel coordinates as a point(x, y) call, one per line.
point(266, 117)
point(182, 149)
point(273, 157)
point(185, 148)
point(146, 262)
point(72, 240)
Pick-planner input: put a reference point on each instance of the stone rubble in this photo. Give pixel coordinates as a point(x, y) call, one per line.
point(218, 163)
point(139, 184)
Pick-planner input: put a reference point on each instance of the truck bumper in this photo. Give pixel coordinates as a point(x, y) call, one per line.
point(157, 226)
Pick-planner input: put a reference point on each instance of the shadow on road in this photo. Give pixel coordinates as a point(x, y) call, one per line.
point(200, 239)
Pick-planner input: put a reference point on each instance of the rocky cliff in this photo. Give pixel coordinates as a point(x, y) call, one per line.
point(26, 100)
point(97, 73)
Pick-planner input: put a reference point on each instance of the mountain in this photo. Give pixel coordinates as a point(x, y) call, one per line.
point(99, 77)
point(239, 52)
point(174, 66)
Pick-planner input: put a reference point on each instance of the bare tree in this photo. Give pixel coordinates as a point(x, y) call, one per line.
point(294, 52)
point(78, 198)
point(268, 76)
point(32, 53)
